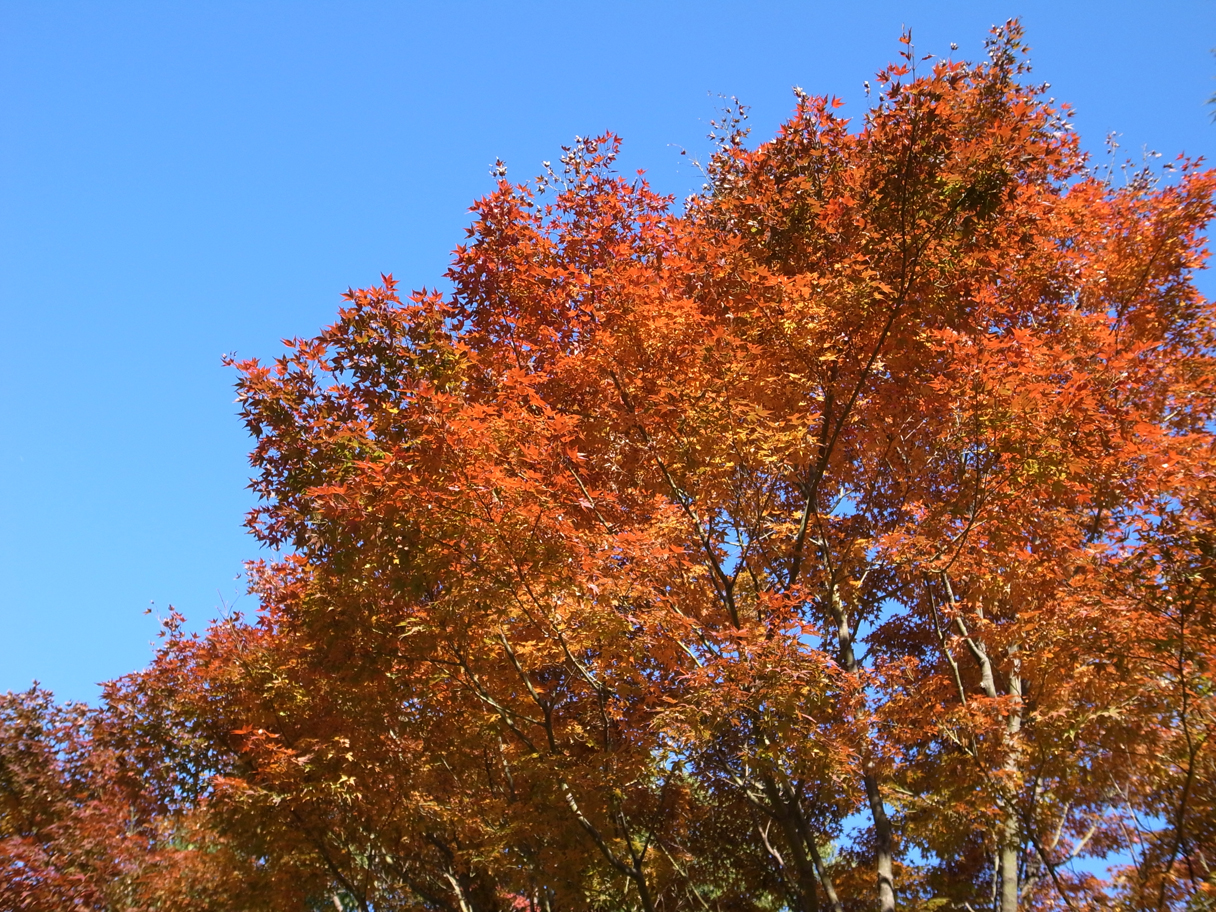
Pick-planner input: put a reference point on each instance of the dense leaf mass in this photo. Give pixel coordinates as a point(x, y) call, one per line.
point(842, 539)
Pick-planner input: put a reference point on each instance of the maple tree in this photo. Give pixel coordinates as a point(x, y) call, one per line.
point(843, 540)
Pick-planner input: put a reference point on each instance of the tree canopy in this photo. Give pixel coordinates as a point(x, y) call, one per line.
point(840, 539)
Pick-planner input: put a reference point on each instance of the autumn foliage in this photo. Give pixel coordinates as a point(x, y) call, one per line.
point(842, 538)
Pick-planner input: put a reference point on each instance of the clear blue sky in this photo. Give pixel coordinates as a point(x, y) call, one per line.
point(179, 180)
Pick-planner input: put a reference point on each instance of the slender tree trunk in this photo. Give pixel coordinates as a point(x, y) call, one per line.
point(644, 892)
point(884, 860)
point(1011, 833)
point(808, 876)
point(884, 848)
point(825, 879)
point(1009, 864)
point(1009, 842)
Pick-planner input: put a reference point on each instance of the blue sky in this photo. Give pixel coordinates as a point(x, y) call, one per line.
point(180, 180)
